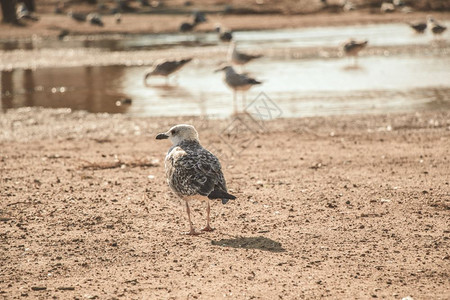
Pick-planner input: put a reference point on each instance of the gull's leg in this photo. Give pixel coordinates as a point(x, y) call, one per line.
point(244, 101)
point(234, 102)
point(208, 209)
point(167, 80)
point(192, 230)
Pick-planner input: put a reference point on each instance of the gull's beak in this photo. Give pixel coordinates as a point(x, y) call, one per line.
point(162, 136)
point(218, 70)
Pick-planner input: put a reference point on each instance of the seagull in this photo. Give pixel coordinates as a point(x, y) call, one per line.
point(199, 17)
point(387, 7)
point(418, 27)
point(435, 27)
point(225, 35)
point(352, 48)
point(185, 26)
point(59, 7)
point(63, 33)
point(95, 19)
point(79, 17)
point(193, 172)
point(165, 68)
point(118, 18)
point(22, 12)
point(240, 58)
point(237, 82)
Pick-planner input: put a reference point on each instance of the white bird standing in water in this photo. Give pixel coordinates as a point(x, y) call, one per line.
point(237, 82)
point(192, 172)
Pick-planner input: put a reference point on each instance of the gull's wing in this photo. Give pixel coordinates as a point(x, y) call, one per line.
point(240, 80)
point(192, 172)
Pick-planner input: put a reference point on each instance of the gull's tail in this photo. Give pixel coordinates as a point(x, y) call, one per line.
point(219, 194)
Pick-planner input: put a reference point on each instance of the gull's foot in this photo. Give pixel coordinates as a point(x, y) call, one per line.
point(207, 228)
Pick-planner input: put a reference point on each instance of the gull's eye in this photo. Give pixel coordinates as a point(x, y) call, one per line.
point(173, 132)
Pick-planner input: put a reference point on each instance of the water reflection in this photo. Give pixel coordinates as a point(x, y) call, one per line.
point(299, 88)
point(85, 88)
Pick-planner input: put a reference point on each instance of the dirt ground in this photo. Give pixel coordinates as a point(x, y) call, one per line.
point(336, 207)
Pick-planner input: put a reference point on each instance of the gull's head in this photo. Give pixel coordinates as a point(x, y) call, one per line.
point(179, 133)
point(223, 68)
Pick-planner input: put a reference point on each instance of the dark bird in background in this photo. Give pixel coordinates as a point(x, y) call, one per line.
point(63, 33)
point(225, 35)
point(418, 27)
point(118, 18)
point(165, 68)
point(435, 27)
point(59, 7)
point(95, 19)
point(353, 47)
point(198, 18)
point(192, 172)
point(79, 17)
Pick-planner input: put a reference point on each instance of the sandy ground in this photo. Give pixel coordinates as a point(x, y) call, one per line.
point(336, 207)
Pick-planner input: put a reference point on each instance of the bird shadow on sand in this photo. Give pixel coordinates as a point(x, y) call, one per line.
point(258, 242)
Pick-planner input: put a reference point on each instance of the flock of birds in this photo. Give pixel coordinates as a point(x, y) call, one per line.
point(352, 47)
point(435, 27)
point(237, 81)
point(242, 82)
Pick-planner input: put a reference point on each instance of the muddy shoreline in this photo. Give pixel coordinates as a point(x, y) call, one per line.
point(50, 25)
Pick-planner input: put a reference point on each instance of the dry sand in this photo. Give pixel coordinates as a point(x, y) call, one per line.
point(336, 207)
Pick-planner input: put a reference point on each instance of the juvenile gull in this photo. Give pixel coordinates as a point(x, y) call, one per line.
point(237, 82)
point(193, 172)
point(352, 48)
point(240, 58)
point(165, 68)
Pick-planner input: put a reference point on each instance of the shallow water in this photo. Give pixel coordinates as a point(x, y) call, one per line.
point(300, 87)
point(395, 34)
